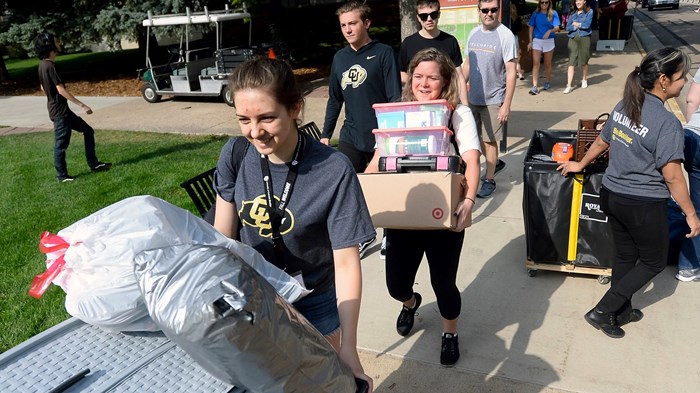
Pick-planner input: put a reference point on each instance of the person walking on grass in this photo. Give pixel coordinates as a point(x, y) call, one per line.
point(64, 120)
point(646, 154)
point(490, 71)
point(544, 23)
point(579, 31)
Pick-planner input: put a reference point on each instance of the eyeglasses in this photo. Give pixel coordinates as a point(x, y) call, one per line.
point(487, 10)
point(544, 2)
point(433, 15)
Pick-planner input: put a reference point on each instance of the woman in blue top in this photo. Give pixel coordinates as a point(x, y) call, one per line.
point(544, 22)
point(579, 31)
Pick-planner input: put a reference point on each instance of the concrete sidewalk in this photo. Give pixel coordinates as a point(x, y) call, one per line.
point(517, 333)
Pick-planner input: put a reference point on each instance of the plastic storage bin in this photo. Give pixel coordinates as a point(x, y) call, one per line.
point(413, 114)
point(413, 141)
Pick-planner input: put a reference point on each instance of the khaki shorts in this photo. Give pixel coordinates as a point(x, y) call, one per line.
point(487, 124)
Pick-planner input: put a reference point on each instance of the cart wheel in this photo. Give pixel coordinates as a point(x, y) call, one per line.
point(227, 95)
point(148, 91)
point(604, 280)
point(532, 272)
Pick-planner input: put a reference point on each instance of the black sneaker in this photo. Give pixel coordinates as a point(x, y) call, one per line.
point(101, 166)
point(500, 165)
point(364, 246)
point(65, 179)
point(605, 322)
point(404, 323)
point(449, 352)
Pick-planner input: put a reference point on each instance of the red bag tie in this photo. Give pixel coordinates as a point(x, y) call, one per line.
point(55, 248)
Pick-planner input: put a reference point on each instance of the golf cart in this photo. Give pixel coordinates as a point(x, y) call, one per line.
point(194, 69)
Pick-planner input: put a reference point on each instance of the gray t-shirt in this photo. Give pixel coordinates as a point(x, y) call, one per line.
point(637, 153)
point(694, 121)
point(326, 210)
point(487, 52)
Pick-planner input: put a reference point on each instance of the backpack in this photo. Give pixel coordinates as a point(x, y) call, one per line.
point(240, 147)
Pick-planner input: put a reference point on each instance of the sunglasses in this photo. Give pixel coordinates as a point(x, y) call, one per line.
point(433, 15)
point(487, 10)
point(544, 2)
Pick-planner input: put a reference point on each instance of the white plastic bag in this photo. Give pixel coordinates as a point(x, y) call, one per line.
point(98, 263)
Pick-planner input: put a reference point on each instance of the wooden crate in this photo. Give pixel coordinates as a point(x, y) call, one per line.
point(588, 131)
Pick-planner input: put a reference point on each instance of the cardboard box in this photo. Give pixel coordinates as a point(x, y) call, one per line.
point(418, 200)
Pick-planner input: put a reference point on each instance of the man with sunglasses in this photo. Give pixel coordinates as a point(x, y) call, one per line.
point(429, 36)
point(490, 71)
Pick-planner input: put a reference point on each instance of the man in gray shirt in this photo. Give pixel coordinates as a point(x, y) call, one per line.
point(490, 72)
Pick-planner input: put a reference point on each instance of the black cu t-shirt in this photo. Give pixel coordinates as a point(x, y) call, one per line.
point(49, 78)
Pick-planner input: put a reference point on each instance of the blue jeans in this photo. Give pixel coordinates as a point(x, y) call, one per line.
point(689, 257)
point(321, 310)
point(62, 133)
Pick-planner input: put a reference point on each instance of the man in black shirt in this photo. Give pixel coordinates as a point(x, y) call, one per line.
point(64, 120)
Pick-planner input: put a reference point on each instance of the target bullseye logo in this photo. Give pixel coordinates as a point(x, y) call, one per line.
point(438, 213)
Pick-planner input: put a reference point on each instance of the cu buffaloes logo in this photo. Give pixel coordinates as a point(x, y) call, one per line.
point(256, 214)
point(355, 76)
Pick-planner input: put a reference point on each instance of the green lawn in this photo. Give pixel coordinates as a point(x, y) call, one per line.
point(32, 201)
point(88, 64)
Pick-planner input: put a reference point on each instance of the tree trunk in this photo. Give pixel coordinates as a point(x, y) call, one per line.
point(4, 74)
point(409, 23)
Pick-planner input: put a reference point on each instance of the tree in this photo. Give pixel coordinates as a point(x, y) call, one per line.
point(81, 23)
point(409, 24)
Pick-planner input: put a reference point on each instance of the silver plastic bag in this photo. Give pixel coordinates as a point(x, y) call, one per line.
point(233, 324)
point(98, 276)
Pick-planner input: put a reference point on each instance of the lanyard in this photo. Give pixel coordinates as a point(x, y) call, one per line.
point(276, 212)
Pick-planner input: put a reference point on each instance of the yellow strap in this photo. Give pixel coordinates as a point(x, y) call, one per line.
point(573, 221)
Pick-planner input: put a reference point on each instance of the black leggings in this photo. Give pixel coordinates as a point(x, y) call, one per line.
point(404, 253)
point(358, 158)
point(640, 232)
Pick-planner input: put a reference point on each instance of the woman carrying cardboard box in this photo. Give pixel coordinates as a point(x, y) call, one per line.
point(432, 76)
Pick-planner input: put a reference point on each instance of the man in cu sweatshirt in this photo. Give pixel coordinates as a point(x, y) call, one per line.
point(362, 74)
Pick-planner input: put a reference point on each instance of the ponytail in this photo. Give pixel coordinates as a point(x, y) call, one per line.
point(633, 97)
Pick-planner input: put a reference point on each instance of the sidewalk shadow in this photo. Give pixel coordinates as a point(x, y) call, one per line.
point(501, 308)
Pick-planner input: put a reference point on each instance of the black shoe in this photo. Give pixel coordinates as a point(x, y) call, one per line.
point(449, 352)
point(364, 246)
point(101, 166)
point(65, 179)
point(404, 323)
point(606, 322)
point(635, 315)
point(500, 165)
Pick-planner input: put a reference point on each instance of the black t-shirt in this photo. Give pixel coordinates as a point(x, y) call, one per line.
point(49, 78)
point(415, 43)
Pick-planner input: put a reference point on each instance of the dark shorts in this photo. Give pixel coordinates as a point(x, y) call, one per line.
point(321, 310)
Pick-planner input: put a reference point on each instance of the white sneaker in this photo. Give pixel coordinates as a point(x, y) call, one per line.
point(567, 90)
point(584, 84)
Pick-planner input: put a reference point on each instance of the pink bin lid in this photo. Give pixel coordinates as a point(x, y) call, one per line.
point(411, 129)
point(411, 103)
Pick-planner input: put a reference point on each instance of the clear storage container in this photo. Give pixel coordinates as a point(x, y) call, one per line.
point(413, 141)
point(413, 114)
